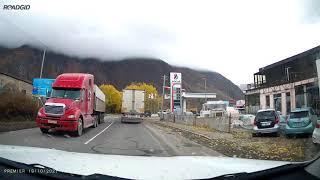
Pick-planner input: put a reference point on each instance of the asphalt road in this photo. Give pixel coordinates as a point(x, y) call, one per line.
point(111, 137)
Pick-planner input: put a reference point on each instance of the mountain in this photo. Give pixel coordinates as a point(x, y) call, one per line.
point(25, 62)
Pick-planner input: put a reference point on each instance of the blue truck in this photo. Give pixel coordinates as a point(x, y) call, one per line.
point(42, 87)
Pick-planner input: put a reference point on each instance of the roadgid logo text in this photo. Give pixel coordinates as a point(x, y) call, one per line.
point(16, 7)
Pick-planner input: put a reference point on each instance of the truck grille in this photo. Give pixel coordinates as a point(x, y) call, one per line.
point(54, 110)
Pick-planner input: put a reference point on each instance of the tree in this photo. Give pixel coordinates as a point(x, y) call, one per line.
point(113, 98)
point(152, 99)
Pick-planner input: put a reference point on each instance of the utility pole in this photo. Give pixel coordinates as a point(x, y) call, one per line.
point(205, 89)
point(43, 56)
point(163, 85)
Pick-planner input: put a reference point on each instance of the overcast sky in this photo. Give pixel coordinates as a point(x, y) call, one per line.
point(234, 38)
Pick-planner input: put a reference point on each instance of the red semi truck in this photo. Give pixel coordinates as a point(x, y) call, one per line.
point(75, 103)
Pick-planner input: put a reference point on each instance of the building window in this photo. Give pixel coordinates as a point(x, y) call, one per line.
point(299, 96)
point(312, 94)
point(24, 91)
point(252, 103)
point(277, 102)
point(288, 101)
point(267, 101)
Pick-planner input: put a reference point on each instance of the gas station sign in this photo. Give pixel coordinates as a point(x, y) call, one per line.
point(175, 91)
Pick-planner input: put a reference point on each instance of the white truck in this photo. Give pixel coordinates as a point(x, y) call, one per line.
point(132, 105)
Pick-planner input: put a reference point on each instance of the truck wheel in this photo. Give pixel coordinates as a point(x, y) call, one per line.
point(43, 130)
point(79, 128)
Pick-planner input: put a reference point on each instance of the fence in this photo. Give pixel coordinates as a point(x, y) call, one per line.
point(222, 123)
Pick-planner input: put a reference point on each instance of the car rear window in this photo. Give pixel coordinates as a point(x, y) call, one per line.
point(266, 114)
point(299, 114)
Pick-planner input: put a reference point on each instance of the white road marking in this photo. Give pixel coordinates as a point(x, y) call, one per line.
point(98, 133)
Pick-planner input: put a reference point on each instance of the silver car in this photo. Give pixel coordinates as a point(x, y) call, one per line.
point(266, 122)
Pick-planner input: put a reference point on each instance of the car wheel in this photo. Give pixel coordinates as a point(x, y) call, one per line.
point(277, 134)
point(43, 130)
point(254, 134)
point(79, 130)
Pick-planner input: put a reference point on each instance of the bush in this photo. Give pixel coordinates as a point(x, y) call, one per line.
point(17, 105)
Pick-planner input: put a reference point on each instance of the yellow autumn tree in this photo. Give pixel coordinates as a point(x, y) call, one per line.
point(113, 98)
point(152, 98)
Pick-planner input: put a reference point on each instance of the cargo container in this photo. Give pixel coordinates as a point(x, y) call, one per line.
point(132, 108)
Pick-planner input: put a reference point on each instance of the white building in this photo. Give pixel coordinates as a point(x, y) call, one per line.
point(287, 84)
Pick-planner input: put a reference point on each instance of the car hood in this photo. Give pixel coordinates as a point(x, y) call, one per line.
point(135, 167)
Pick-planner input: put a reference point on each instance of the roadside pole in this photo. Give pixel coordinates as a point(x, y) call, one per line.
point(43, 56)
point(163, 85)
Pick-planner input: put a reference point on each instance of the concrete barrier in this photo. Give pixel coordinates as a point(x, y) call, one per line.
point(218, 123)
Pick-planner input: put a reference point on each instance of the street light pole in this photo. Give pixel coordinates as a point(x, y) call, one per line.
point(163, 85)
point(43, 56)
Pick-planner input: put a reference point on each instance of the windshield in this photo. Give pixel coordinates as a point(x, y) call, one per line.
point(66, 93)
point(158, 78)
point(300, 114)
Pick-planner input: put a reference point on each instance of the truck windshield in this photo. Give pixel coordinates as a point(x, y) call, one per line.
point(66, 93)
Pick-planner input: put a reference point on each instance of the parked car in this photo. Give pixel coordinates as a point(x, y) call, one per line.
point(154, 115)
point(147, 114)
point(266, 122)
point(316, 133)
point(247, 119)
point(188, 113)
point(163, 112)
point(300, 121)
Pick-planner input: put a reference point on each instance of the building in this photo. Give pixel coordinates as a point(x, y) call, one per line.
point(22, 85)
point(286, 85)
point(245, 87)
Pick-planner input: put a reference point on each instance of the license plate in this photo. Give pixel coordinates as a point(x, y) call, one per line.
point(52, 122)
point(298, 124)
point(265, 123)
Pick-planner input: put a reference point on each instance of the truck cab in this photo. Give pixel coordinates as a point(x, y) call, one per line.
point(71, 105)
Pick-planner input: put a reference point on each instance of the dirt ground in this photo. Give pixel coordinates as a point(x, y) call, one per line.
point(16, 125)
point(240, 143)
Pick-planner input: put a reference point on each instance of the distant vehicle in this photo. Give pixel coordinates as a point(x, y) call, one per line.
point(316, 133)
point(132, 105)
point(163, 112)
point(42, 87)
point(266, 121)
point(75, 103)
point(300, 121)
